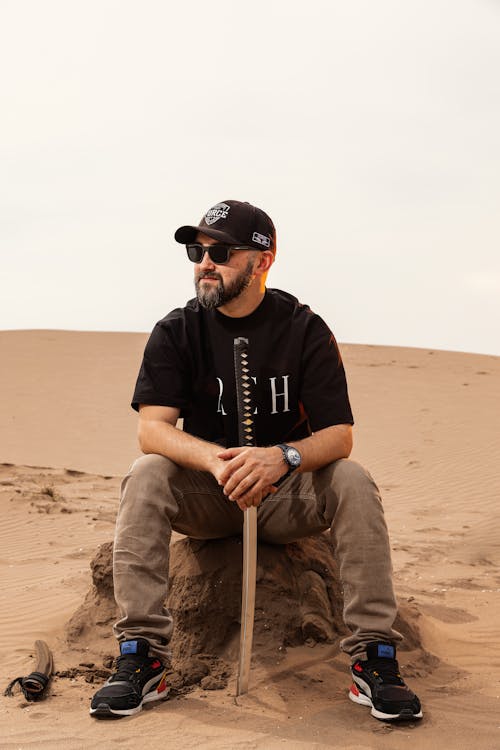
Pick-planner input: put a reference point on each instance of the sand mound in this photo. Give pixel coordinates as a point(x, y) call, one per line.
point(298, 601)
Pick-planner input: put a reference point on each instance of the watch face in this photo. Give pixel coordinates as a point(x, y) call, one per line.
point(293, 457)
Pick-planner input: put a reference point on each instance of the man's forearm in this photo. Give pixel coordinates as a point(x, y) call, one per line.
point(324, 446)
point(156, 436)
point(249, 473)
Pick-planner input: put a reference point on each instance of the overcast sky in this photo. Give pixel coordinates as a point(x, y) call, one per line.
point(369, 131)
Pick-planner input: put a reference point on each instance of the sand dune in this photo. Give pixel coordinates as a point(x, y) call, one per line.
point(426, 428)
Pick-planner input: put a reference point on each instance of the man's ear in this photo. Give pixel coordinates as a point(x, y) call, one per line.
point(266, 260)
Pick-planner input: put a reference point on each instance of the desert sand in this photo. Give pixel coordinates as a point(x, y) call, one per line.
point(426, 428)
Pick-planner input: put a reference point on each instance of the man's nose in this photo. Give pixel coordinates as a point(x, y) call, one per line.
point(206, 261)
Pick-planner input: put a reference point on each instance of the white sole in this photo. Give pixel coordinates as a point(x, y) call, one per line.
point(104, 710)
point(364, 700)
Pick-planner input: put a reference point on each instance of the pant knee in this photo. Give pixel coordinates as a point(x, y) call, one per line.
point(152, 464)
point(148, 483)
point(350, 491)
point(150, 471)
point(351, 474)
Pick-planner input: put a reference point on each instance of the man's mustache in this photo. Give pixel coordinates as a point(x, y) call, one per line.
point(208, 275)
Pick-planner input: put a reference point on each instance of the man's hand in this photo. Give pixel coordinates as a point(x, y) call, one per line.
point(248, 474)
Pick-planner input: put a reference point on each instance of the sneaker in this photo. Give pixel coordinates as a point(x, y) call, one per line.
point(138, 679)
point(377, 683)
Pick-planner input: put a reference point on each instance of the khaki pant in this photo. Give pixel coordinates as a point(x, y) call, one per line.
point(158, 496)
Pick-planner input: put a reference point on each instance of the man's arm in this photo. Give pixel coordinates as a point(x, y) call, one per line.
point(157, 433)
point(249, 471)
point(324, 446)
point(246, 474)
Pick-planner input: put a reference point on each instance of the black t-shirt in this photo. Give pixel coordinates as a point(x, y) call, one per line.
point(299, 383)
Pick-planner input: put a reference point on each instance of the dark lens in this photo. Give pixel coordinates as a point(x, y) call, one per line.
point(195, 252)
point(219, 253)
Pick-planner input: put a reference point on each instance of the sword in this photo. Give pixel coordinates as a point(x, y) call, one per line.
point(246, 437)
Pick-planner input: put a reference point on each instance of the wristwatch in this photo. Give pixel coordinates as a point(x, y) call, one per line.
point(292, 458)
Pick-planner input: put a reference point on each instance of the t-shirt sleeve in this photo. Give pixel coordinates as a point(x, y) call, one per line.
point(323, 390)
point(163, 378)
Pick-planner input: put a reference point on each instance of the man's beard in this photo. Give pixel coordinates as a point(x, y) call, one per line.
point(211, 296)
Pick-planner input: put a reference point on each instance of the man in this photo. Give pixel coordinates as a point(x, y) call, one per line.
point(199, 483)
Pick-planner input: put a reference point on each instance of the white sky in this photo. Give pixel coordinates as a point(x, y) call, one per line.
point(369, 131)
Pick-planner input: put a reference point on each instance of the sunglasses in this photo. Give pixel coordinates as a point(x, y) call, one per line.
point(217, 253)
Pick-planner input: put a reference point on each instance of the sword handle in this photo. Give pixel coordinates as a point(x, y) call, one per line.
point(243, 393)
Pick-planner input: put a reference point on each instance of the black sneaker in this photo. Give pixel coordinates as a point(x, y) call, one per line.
point(377, 683)
point(138, 679)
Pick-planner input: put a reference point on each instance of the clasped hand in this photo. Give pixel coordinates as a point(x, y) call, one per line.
point(247, 475)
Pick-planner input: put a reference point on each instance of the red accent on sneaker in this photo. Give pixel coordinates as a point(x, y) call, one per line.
point(156, 664)
point(354, 689)
point(358, 667)
point(162, 685)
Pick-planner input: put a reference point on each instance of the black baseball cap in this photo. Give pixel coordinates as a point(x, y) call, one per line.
point(235, 223)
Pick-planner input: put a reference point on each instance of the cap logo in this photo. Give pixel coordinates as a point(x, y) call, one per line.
point(219, 211)
point(261, 239)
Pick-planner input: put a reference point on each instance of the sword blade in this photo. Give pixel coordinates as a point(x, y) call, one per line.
point(247, 598)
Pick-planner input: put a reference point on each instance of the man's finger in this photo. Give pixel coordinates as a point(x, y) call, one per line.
point(244, 485)
point(243, 491)
point(233, 465)
point(228, 453)
point(247, 501)
point(240, 471)
point(253, 495)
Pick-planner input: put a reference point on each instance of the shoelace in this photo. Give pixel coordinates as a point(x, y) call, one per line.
point(125, 668)
point(386, 669)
